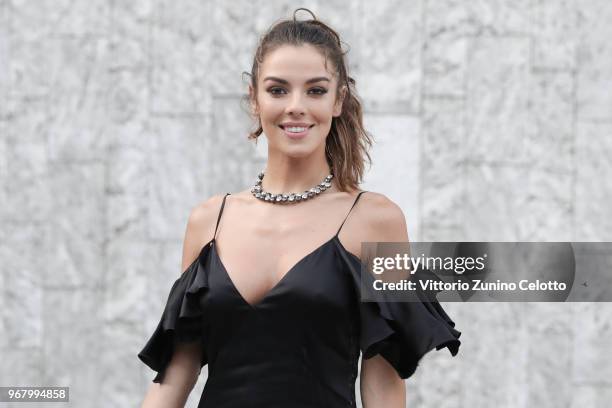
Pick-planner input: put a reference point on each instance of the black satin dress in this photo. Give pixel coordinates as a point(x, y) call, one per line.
point(299, 346)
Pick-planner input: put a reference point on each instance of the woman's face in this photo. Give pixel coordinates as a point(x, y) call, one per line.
point(296, 99)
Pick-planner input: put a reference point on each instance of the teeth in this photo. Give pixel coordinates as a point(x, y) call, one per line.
point(295, 129)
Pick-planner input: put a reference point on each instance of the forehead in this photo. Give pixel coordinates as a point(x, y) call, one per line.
point(295, 63)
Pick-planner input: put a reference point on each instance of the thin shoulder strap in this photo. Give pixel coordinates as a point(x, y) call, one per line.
point(220, 212)
point(349, 211)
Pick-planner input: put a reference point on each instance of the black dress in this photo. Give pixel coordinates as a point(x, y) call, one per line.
point(298, 346)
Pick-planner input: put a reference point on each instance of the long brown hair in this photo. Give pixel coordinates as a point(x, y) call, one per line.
point(347, 145)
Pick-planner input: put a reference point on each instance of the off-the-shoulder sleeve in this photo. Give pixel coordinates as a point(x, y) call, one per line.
point(183, 318)
point(400, 331)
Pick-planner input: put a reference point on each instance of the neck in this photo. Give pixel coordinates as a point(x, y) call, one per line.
point(291, 175)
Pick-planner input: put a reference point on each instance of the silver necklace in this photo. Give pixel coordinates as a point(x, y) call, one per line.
point(286, 198)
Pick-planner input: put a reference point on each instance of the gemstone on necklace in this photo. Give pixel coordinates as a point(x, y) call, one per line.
point(258, 191)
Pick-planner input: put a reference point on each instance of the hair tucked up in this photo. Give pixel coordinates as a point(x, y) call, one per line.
point(348, 142)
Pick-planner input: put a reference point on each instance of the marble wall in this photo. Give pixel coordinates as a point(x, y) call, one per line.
point(492, 120)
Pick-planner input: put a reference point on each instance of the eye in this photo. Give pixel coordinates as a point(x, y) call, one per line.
point(319, 91)
point(275, 90)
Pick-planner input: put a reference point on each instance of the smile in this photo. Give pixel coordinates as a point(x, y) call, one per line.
point(296, 132)
point(295, 129)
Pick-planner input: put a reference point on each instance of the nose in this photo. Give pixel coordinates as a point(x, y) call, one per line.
point(295, 105)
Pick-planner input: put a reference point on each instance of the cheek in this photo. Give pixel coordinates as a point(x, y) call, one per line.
point(324, 113)
point(271, 108)
point(328, 107)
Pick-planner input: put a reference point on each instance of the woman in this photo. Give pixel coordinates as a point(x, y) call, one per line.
point(269, 297)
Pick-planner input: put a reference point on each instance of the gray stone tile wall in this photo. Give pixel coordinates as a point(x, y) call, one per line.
point(493, 121)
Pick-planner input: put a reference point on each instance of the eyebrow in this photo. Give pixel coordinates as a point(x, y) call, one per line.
point(283, 81)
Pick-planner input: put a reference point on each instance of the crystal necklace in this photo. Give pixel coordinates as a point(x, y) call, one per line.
point(282, 198)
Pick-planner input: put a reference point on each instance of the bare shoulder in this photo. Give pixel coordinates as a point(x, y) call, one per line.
point(200, 227)
point(203, 215)
point(375, 218)
point(204, 212)
point(382, 219)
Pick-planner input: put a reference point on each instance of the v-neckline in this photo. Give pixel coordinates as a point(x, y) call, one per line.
point(283, 278)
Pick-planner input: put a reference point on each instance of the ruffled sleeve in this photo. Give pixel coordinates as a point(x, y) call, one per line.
point(182, 319)
point(400, 331)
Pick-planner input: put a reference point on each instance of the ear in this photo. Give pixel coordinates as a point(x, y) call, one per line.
point(339, 101)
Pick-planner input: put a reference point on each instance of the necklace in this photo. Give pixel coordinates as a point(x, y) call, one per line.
point(282, 198)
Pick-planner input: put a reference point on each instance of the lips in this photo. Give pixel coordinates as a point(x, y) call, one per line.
point(304, 125)
point(295, 135)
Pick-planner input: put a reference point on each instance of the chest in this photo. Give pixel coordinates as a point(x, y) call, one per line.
point(316, 281)
point(261, 250)
point(257, 266)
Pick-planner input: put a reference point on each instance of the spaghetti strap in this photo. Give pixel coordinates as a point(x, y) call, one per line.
point(349, 211)
point(326, 288)
point(220, 212)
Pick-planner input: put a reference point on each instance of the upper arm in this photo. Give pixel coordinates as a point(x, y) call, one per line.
point(184, 366)
point(380, 383)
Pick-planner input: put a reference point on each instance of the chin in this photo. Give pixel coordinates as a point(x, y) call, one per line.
point(297, 152)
